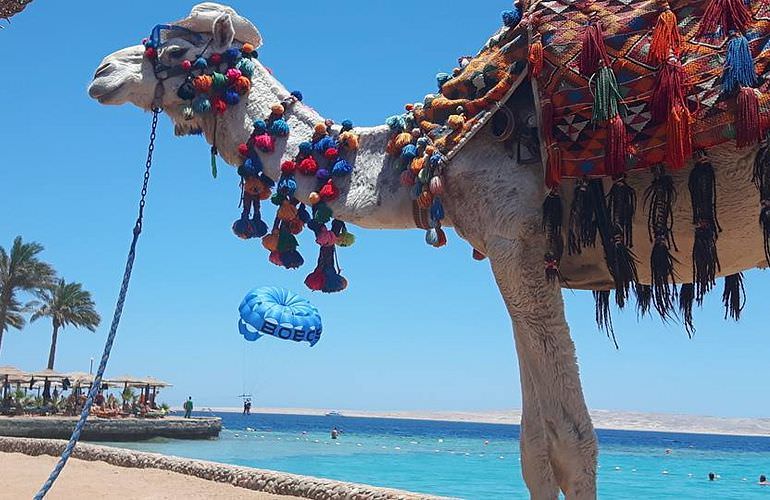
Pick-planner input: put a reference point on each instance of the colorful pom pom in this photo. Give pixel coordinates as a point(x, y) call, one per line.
point(260, 127)
point(232, 97)
point(242, 85)
point(297, 95)
point(329, 192)
point(322, 175)
point(201, 63)
point(264, 143)
point(247, 67)
point(247, 48)
point(279, 128)
point(233, 74)
point(308, 166)
point(341, 168)
point(288, 167)
point(203, 83)
point(305, 148)
point(313, 198)
point(243, 149)
point(186, 65)
point(219, 105)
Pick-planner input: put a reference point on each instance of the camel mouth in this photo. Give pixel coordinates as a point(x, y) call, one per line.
point(104, 92)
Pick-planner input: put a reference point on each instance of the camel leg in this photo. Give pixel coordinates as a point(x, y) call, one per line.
point(533, 441)
point(542, 339)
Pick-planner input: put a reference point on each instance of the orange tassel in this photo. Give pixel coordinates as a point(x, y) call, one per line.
point(536, 58)
point(665, 38)
point(679, 136)
point(747, 126)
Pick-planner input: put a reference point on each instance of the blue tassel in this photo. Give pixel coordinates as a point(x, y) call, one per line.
point(431, 237)
point(437, 210)
point(739, 66)
point(297, 95)
point(287, 186)
point(251, 167)
point(201, 105)
point(259, 227)
point(232, 98)
point(347, 125)
point(260, 127)
point(292, 259)
point(342, 168)
point(325, 143)
point(409, 152)
point(279, 128)
point(232, 54)
point(435, 159)
point(511, 18)
point(243, 228)
point(333, 281)
point(396, 123)
point(305, 148)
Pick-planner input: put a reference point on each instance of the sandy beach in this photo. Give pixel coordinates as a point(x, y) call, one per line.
point(22, 476)
point(602, 419)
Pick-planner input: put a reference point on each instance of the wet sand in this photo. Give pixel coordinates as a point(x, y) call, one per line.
point(22, 476)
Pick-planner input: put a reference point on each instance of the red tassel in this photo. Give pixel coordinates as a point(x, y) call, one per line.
point(536, 58)
point(747, 126)
point(679, 136)
point(615, 152)
point(728, 15)
point(665, 38)
point(593, 53)
point(668, 91)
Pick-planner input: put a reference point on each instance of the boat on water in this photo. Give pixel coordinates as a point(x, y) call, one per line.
point(334, 413)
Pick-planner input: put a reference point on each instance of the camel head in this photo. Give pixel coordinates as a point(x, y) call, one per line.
point(149, 75)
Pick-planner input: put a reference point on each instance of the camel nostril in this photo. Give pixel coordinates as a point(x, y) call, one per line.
point(101, 70)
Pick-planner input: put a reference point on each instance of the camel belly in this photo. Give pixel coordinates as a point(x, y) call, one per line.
point(739, 245)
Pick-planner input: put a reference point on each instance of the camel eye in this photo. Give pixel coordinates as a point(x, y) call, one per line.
point(177, 52)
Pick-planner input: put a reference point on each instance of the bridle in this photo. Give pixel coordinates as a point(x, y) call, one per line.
point(162, 71)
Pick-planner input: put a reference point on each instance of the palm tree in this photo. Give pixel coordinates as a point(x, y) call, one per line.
point(20, 271)
point(67, 304)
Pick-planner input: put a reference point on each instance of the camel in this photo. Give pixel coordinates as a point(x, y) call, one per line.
point(492, 200)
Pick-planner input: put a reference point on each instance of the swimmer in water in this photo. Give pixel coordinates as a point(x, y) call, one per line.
point(712, 476)
point(335, 433)
point(763, 480)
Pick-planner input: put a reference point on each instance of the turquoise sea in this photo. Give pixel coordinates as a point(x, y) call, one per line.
point(476, 461)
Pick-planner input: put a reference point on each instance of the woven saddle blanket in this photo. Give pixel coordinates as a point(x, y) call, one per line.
point(704, 63)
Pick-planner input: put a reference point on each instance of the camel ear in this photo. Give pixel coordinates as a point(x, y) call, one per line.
point(223, 32)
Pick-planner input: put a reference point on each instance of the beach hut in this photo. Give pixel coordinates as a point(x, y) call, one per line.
point(150, 386)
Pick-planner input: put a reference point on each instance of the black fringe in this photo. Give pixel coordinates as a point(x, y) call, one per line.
point(762, 181)
point(603, 314)
point(621, 203)
point(623, 268)
point(660, 198)
point(663, 278)
point(734, 296)
point(705, 260)
point(686, 300)
point(582, 228)
point(643, 299)
point(621, 262)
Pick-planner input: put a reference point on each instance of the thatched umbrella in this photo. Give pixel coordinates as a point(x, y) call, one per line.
point(11, 374)
point(150, 383)
point(9, 8)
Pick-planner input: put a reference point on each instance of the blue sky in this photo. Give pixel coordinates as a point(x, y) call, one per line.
point(418, 328)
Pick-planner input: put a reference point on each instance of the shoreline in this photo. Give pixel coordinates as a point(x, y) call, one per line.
point(602, 419)
point(242, 478)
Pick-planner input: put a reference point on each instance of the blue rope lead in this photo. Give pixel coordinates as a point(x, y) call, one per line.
point(113, 328)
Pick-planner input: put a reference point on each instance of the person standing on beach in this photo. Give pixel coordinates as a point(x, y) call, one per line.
point(188, 407)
